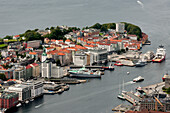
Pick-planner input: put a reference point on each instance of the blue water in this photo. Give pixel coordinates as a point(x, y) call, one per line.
point(96, 96)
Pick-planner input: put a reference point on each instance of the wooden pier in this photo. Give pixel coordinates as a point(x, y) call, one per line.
point(131, 98)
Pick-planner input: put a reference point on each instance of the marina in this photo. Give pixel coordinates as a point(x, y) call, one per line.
point(98, 95)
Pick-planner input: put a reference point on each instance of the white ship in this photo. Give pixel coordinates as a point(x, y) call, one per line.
point(160, 54)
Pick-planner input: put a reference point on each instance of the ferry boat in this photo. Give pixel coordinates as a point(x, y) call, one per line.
point(84, 73)
point(160, 54)
point(138, 79)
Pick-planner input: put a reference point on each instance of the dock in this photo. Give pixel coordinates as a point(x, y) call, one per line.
point(130, 97)
point(67, 80)
point(123, 108)
point(91, 67)
point(151, 88)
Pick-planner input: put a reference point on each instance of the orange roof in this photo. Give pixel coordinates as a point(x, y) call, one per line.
point(32, 53)
point(116, 40)
point(72, 48)
point(80, 47)
point(52, 52)
point(60, 54)
point(8, 58)
point(53, 40)
point(90, 45)
point(29, 47)
point(50, 48)
point(65, 50)
point(12, 80)
point(16, 36)
point(68, 40)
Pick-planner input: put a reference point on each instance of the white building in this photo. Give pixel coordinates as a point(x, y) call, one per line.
point(133, 37)
point(57, 71)
point(99, 54)
point(24, 91)
point(120, 27)
point(46, 69)
point(36, 88)
point(80, 59)
point(49, 69)
point(4, 53)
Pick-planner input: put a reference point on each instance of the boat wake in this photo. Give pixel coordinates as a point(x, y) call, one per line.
point(39, 105)
point(140, 3)
point(130, 82)
point(111, 88)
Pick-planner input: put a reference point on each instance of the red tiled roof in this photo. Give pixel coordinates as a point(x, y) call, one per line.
point(8, 58)
point(72, 48)
point(90, 45)
point(16, 36)
point(68, 40)
point(80, 47)
point(52, 52)
point(60, 54)
point(32, 53)
point(29, 47)
point(50, 48)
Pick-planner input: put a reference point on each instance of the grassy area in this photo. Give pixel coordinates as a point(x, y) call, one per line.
point(100, 34)
point(11, 40)
point(3, 46)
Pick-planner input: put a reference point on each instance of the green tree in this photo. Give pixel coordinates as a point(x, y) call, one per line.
point(168, 90)
point(79, 44)
point(47, 28)
point(8, 37)
point(32, 35)
point(96, 26)
point(104, 28)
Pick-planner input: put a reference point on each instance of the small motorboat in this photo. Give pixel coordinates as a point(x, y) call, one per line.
point(138, 79)
point(18, 105)
point(120, 96)
point(118, 64)
point(26, 101)
point(140, 63)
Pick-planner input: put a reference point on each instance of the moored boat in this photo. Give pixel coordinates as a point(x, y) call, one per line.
point(165, 76)
point(160, 55)
point(120, 96)
point(138, 79)
point(118, 64)
point(110, 67)
point(140, 63)
point(84, 73)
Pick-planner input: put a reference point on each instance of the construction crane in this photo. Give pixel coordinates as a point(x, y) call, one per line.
point(156, 105)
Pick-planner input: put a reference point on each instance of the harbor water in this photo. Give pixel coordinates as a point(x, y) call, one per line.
point(97, 95)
